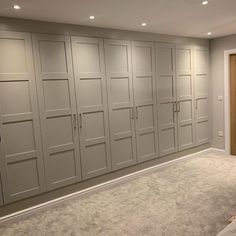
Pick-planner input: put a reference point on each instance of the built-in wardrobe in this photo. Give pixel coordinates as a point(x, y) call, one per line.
point(73, 108)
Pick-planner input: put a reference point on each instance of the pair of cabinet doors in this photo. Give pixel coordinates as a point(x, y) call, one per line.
point(183, 106)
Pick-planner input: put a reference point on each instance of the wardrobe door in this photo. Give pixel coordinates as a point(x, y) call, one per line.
point(145, 100)
point(184, 86)
point(201, 92)
point(166, 98)
point(120, 101)
point(57, 106)
point(20, 149)
point(88, 61)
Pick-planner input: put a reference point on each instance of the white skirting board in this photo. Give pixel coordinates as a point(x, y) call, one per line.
point(19, 215)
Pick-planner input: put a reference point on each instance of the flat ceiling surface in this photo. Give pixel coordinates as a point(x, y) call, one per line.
point(174, 17)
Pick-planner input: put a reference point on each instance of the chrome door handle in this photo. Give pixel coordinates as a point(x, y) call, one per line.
point(175, 106)
point(74, 121)
point(136, 112)
point(178, 107)
point(80, 121)
point(132, 113)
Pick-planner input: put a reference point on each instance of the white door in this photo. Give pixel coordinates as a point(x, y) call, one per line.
point(90, 84)
point(145, 100)
point(21, 159)
point(55, 86)
point(120, 101)
point(166, 98)
point(185, 98)
point(201, 93)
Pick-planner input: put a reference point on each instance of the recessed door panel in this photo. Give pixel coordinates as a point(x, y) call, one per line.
point(94, 97)
point(12, 133)
point(202, 131)
point(145, 100)
point(166, 98)
point(184, 60)
point(201, 93)
point(167, 141)
point(166, 113)
point(13, 58)
point(52, 56)
point(185, 98)
point(166, 87)
point(60, 131)
point(144, 88)
point(184, 86)
point(19, 173)
point(21, 159)
point(186, 137)
point(120, 100)
point(201, 85)
point(91, 95)
point(56, 94)
point(64, 166)
point(123, 149)
point(120, 92)
point(57, 109)
point(96, 158)
point(122, 120)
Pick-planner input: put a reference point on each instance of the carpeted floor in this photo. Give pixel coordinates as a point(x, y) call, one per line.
point(191, 197)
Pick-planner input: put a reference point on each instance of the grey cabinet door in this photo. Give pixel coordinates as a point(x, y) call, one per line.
point(21, 160)
point(143, 64)
point(91, 97)
point(55, 86)
point(120, 101)
point(201, 93)
point(185, 102)
point(166, 98)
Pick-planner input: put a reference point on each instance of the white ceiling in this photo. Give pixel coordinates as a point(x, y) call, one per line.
point(174, 17)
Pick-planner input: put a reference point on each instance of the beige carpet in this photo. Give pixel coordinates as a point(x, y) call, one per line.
point(193, 197)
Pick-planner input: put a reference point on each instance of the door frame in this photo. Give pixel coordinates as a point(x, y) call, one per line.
point(227, 120)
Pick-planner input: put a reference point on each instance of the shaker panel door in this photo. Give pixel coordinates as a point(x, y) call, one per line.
point(143, 61)
point(91, 97)
point(166, 98)
point(21, 159)
point(120, 101)
point(57, 106)
point(185, 98)
point(201, 92)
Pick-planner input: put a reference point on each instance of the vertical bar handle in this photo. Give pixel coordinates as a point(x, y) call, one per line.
point(132, 113)
point(178, 106)
point(175, 106)
point(74, 121)
point(80, 121)
point(136, 112)
point(196, 104)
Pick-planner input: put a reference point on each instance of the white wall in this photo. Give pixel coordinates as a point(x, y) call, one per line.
point(218, 46)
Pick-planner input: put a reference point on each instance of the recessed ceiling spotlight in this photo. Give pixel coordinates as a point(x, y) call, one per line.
point(209, 33)
point(92, 17)
point(205, 2)
point(144, 24)
point(16, 7)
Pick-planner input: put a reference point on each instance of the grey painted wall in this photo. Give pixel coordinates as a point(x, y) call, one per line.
point(13, 24)
point(217, 48)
